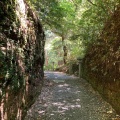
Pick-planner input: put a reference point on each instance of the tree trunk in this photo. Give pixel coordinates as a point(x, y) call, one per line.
point(64, 51)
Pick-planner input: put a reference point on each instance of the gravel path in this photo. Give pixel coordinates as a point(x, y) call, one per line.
point(66, 97)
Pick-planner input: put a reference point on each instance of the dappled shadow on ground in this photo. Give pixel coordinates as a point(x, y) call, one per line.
point(68, 98)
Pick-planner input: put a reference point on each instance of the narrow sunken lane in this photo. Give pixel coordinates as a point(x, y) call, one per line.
point(66, 97)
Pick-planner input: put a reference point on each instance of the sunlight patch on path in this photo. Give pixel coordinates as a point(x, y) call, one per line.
point(66, 97)
point(57, 81)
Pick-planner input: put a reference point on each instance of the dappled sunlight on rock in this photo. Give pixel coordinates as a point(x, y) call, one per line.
point(64, 105)
point(64, 85)
point(41, 112)
point(57, 104)
point(65, 108)
point(78, 100)
point(52, 114)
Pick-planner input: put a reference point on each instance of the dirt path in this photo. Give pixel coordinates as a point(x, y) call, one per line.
point(66, 97)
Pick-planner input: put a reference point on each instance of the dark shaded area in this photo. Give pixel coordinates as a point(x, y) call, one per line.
point(102, 62)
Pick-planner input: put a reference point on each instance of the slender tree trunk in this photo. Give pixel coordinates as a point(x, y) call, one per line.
point(64, 51)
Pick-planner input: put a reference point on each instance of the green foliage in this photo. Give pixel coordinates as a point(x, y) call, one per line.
point(7, 11)
point(77, 21)
point(54, 53)
point(92, 19)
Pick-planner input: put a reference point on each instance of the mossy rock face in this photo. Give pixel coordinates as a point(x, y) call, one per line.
point(102, 62)
point(21, 56)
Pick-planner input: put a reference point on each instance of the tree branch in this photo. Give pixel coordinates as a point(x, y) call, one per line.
point(97, 6)
point(91, 2)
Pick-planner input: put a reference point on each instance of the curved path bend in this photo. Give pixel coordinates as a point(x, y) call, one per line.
point(66, 97)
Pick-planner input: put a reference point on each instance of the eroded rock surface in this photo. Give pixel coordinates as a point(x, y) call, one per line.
point(21, 58)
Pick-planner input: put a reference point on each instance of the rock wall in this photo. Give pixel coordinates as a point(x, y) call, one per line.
point(102, 63)
point(21, 58)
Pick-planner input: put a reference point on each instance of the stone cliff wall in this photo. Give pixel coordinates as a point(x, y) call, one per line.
point(21, 58)
point(102, 63)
